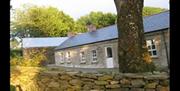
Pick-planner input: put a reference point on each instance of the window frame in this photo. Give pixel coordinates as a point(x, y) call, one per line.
point(150, 43)
point(82, 57)
point(61, 57)
point(94, 56)
point(68, 57)
point(106, 51)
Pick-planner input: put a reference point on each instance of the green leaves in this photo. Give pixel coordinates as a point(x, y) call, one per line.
point(151, 10)
point(43, 22)
point(50, 22)
point(99, 19)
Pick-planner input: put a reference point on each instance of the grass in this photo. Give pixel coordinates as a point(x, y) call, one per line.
point(12, 88)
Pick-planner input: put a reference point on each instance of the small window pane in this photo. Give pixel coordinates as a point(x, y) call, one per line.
point(152, 41)
point(154, 53)
point(153, 47)
point(94, 53)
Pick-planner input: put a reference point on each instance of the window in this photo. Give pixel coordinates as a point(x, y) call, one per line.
point(68, 57)
point(109, 52)
point(82, 56)
point(61, 57)
point(152, 48)
point(94, 56)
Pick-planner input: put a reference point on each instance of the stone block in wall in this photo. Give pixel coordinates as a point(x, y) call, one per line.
point(88, 83)
point(161, 88)
point(151, 85)
point(126, 86)
point(91, 76)
point(52, 89)
point(45, 79)
point(138, 83)
point(118, 77)
point(87, 80)
point(87, 87)
point(64, 84)
point(114, 82)
point(116, 89)
point(74, 88)
point(149, 89)
point(101, 82)
point(131, 75)
point(74, 82)
point(124, 89)
point(101, 88)
point(125, 81)
point(113, 86)
point(105, 77)
point(53, 84)
point(65, 77)
point(96, 90)
point(156, 77)
point(137, 89)
point(164, 82)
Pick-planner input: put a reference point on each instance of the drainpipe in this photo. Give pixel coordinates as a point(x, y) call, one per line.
point(165, 44)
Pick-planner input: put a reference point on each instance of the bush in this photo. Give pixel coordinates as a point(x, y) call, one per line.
point(16, 60)
point(12, 88)
point(15, 53)
point(36, 59)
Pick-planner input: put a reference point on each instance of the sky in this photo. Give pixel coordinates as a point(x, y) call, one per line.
point(78, 8)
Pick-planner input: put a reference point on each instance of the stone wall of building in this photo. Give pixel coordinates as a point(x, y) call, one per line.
point(160, 61)
point(37, 79)
point(101, 58)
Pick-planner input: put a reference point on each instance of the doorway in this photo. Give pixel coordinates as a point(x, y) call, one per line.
point(109, 57)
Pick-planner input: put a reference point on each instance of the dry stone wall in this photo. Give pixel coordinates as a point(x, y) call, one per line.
point(77, 81)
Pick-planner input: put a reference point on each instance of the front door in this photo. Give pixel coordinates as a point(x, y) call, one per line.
point(109, 57)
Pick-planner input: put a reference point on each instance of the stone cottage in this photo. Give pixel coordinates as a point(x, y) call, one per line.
point(32, 46)
point(98, 48)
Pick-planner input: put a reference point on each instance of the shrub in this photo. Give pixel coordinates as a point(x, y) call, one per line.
point(16, 60)
point(15, 53)
point(37, 58)
point(12, 88)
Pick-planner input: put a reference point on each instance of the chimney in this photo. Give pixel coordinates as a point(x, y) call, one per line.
point(91, 27)
point(71, 34)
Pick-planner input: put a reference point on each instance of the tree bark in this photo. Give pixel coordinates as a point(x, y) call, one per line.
point(132, 51)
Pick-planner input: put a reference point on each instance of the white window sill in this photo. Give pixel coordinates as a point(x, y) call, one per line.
point(94, 62)
point(61, 62)
point(83, 62)
point(154, 57)
point(68, 62)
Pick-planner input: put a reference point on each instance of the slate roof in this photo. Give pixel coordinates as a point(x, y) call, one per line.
point(151, 23)
point(43, 42)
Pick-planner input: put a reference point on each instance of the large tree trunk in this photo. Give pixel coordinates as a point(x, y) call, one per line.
point(132, 51)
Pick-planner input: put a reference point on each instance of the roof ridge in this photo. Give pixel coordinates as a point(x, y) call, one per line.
point(43, 37)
